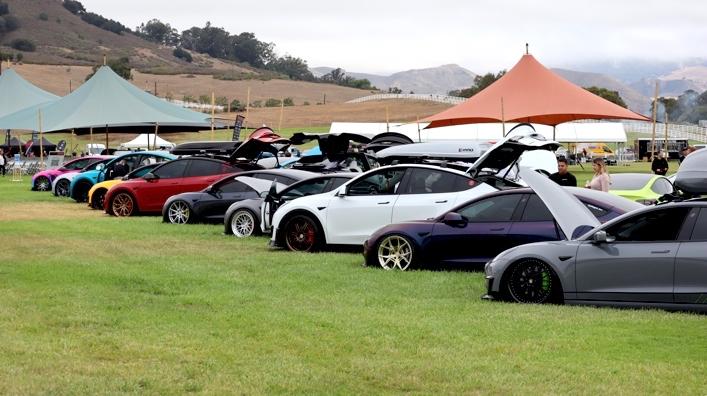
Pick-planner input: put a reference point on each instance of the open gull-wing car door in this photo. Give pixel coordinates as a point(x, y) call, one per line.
point(332, 145)
point(467, 151)
point(571, 215)
point(262, 140)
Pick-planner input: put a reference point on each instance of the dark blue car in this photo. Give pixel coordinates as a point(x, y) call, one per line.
point(478, 230)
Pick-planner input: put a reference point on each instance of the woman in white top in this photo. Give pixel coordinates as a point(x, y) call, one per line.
point(601, 180)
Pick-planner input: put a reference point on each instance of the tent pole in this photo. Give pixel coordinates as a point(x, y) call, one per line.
point(90, 145)
point(41, 143)
point(213, 105)
point(667, 150)
point(154, 140)
point(419, 137)
point(655, 104)
point(106, 138)
point(553, 132)
point(247, 108)
point(282, 110)
point(503, 118)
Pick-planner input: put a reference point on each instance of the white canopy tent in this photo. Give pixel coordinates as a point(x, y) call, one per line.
point(571, 132)
point(147, 141)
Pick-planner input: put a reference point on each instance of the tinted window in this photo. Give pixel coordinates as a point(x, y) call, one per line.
point(699, 233)
point(309, 187)
point(234, 186)
point(656, 225)
point(337, 181)
point(498, 208)
point(536, 210)
point(379, 183)
point(140, 172)
point(202, 167)
point(269, 176)
point(80, 164)
point(94, 165)
point(171, 170)
point(596, 211)
point(662, 186)
point(431, 181)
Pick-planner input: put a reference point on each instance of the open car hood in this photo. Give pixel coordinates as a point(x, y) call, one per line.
point(332, 145)
point(260, 185)
point(571, 215)
point(452, 150)
point(508, 150)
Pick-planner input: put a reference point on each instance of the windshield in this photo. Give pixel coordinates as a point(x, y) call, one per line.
point(629, 182)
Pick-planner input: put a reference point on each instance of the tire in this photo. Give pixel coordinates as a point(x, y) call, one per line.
point(395, 251)
point(179, 212)
point(123, 205)
point(62, 188)
point(243, 223)
point(532, 281)
point(81, 192)
point(302, 234)
point(42, 183)
point(98, 198)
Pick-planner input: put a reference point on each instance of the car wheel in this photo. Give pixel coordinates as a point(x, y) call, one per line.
point(178, 212)
point(62, 188)
point(123, 205)
point(98, 198)
point(302, 234)
point(531, 281)
point(396, 252)
point(42, 184)
point(81, 192)
point(243, 223)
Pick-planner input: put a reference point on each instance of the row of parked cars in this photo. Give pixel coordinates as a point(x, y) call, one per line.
point(477, 205)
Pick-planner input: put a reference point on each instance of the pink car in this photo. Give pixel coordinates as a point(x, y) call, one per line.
point(42, 181)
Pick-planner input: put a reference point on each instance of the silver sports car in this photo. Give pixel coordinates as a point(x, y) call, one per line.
point(651, 257)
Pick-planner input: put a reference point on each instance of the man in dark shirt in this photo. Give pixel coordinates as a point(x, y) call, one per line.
point(660, 164)
point(563, 177)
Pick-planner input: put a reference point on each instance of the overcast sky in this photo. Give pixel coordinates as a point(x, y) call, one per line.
point(482, 35)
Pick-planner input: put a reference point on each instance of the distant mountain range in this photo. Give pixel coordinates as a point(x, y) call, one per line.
point(634, 80)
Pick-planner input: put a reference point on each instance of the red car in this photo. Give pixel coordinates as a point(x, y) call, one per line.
point(148, 194)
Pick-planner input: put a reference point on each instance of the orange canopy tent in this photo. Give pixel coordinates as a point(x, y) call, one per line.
point(530, 92)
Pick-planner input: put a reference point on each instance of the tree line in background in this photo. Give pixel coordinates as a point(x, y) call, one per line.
point(690, 107)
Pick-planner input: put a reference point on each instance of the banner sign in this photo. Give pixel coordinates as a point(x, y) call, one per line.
point(237, 128)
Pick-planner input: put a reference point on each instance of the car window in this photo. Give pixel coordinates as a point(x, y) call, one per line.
point(662, 186)
point(234, 186)
point(596, 211)
point(171, 170)
point(655, 225)
point(432, 181)
point(80, 164)
point(385, 182)
point(699, 233)
point(269, 176)
point(535, 210)
point(204, 167)
point(498, 208)
point(309, 187)
point(336, 182)
point(140, 172)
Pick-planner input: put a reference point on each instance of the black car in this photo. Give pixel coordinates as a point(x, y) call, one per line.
point(210, 204)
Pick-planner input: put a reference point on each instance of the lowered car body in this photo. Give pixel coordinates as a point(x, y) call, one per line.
point(650, 257)
point(42, 181)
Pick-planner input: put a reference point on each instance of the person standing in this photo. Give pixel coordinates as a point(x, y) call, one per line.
point(3, 161)
point(563, 177)
point(660, 164)
point(600, 181)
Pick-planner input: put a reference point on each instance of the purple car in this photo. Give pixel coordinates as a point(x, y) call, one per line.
point(42, 181)
point(478, 230)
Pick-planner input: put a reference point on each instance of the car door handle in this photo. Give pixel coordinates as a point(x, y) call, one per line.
point(498, 229)
point(445, 201)
point(659, 251)
point(383, 203)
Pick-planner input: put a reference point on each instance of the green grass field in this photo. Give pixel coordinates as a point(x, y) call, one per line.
point(91, 304)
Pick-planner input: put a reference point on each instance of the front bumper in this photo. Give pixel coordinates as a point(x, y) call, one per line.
point(490, 294)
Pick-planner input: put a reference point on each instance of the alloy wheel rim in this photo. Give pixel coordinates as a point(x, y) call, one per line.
point(243, 224)
point(62, 189)
point(301, 235)
point(531, 283)
point(395, 252)
point(123, 205)
point(42, 184)
point(178, 213)
point(100, 200)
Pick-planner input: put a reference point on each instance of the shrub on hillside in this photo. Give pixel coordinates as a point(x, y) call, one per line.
point(8, 23)
point(272, 102)
point(74, 7)
point(43, 16)
point(4, 8)
point(236, 105)
point(182, 54)
point(288, 102)
point(21, 44)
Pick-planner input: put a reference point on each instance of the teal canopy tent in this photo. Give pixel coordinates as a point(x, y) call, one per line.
point(17, 94)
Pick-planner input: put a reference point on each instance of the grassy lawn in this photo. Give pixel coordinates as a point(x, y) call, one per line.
point(93, 304)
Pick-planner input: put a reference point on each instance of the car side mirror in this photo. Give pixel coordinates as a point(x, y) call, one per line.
point(264, 194)
point(343, 191)
point(454, 219)
point(100, 167)
point(150, 177)
point(602, 237)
